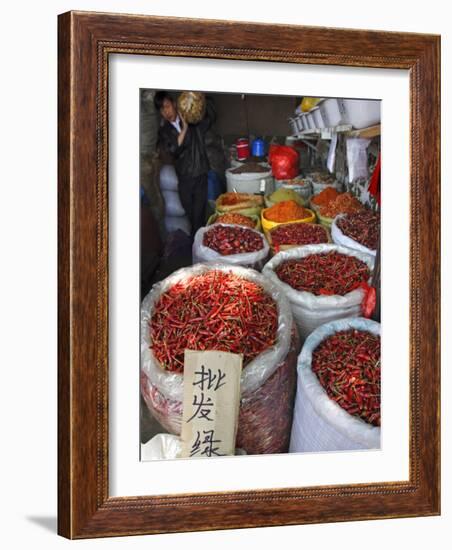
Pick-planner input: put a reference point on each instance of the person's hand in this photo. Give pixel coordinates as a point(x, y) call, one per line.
point(183, 121)
point(184, 128)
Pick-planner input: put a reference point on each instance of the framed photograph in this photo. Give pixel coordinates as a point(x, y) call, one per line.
point(224, 283)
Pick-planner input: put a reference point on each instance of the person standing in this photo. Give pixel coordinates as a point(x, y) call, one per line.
point(185, 143)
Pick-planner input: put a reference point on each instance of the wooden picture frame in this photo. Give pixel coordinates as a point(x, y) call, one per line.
point(85, 42)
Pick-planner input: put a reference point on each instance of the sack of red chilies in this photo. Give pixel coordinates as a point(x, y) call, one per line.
point(285, 161)
point(269, 373)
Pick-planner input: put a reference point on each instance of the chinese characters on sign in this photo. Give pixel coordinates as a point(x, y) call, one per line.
point(211, 403)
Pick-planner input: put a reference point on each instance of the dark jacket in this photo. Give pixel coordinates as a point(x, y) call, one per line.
point(190, 158)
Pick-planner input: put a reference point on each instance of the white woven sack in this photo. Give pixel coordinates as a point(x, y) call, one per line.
point(168, 178)
point(173, 223)
point(311, 311)
point(173, 206)
point(341, 239)
point(203, 253)
point(319, 423)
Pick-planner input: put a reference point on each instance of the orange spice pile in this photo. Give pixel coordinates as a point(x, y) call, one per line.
point(325, 196)
point(237, 219)
point(345, 203)
point(286, 211)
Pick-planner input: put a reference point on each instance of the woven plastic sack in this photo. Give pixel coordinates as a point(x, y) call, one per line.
point(319, 423)
point(245, 202)
point(309, 310)
point(203, 253)
point(192, 106)
point(168, 178)
point(267, 382)
point(304, 188)
point(341, 239)
point(173, 206)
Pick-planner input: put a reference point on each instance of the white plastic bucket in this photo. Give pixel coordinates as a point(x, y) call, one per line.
point(250, 182)
point(332, 112)
point(361, 113)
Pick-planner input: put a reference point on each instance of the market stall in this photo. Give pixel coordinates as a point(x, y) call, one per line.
point(283, 269)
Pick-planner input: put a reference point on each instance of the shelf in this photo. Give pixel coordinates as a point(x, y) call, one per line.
point(326, 133)
point(370, 132)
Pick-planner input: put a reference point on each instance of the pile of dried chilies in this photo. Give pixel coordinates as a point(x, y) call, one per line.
point(325, 196)
point(347, 365)
point(344, 203)
point(217, 310)
point(363, 227)
point(298, 234)
point(327, 273)
point(237, 219)
point(286, 211)
point(232, 239)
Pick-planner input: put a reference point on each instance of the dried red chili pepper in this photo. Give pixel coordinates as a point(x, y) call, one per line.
point(228, 240)
point(347, 365)
point(217, 310)
point(298, 234)
point(363, 227)
point(328, 273)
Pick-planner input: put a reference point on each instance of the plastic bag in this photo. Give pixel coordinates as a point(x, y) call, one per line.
point(163, 390)
point(203, 253)
point(341, 239)
point(166, 447)
point(161, 446)
point(357, 158)
point(168, 178)
point(309, 310)
point(319, 423)
point(285, 161)
point(173, 206)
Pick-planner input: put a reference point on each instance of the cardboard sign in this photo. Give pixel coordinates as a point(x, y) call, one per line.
point(211, 403)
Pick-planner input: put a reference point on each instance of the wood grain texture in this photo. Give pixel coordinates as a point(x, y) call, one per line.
point(85, 42)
